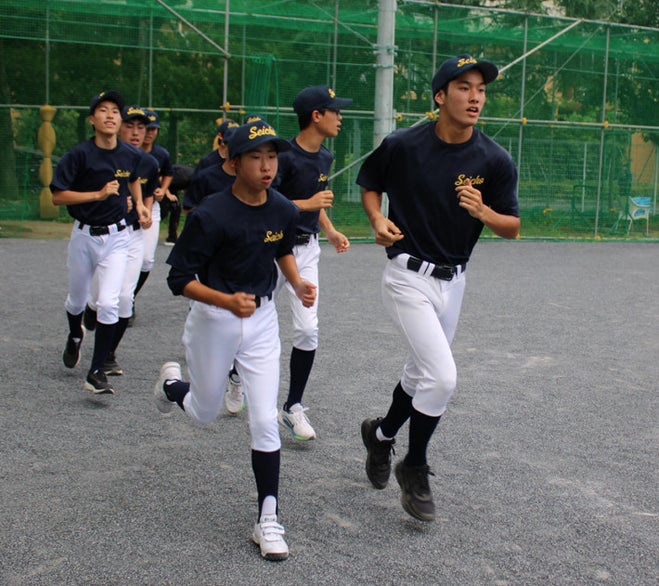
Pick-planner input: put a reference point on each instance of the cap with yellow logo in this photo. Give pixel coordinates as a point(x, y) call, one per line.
point(318, 97)
point(248, 137)
point(451, 68)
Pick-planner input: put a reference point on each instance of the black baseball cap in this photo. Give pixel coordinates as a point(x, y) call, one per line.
point(228, 123)
point(247, 137)
point(318, 97)
point(453, 67)
point(106, 96)
point(134, 112)
point(153, 120)
point(252, 118)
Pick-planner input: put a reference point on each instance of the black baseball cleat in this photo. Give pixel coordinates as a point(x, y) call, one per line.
point(71, 355)
point(111, 366)
point(415, 495)
point(378, 457)
point(98, 383)
point(89, 319)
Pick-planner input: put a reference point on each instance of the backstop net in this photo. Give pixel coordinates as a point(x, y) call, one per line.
point(576, 104)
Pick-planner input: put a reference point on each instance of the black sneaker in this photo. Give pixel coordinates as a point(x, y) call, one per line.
point(71, 355)
point(415, 495)
point(89, 319)
point(111, 366)
point(98, 383)
point(378, 458)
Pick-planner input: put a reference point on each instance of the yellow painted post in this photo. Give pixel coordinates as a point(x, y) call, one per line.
point(46, 138)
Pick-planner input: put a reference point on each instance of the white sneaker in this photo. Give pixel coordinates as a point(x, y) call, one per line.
point(269, 536)
point(297, 422)
point(168, 371)
point(234, 399)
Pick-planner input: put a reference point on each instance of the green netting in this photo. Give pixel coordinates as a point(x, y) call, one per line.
point(580, 115)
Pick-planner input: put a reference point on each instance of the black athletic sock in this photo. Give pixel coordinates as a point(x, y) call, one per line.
point(144, 275)
point(266, 473)
point(176, 391)
point(399, 412)
point(75, 325)
point(119, 332)
point(300, 365)
point(104, 337)
point(421, 429)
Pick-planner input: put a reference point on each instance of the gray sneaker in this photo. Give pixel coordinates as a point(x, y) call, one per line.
point(378, 456)
point(415, 495)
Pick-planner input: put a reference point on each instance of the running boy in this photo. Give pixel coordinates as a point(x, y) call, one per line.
point(94, 180)
point(445, 181)
point(302, 177)
point(224, 262)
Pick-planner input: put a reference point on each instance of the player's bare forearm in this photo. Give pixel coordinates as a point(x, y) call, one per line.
point(318, 201)
point(338, 240)
point(69, 197)
point(502, 225)
point(386, 232)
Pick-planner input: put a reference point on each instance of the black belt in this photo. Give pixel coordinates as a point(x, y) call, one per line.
point(101, 230)
point(303, 238)
point(136, 225)
point(443, 272)
point(258, 300)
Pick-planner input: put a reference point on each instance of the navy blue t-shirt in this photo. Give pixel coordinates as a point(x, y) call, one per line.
point(161, 155)
point(204, 183)
point(419, 173)
point(86, 167)
point(301, 174)
point(231, 246)
point(209, 160)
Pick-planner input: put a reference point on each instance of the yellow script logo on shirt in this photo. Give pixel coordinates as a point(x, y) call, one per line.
point(119, 173)
point(271, 236)
point(478, 180)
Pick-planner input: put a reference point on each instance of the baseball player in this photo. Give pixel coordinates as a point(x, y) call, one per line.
point(165, 173)
point(132, 132)
point(170, 206)
point(224, 262)
point(94, 180)
point(445, 180)
point(302, 177)
point(217, 156)
point(212, 178)
point(207, 181)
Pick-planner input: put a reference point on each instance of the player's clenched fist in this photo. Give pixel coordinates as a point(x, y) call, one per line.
point(242, 304)
point(321, 200)
point(110, 188)
point(306, 293)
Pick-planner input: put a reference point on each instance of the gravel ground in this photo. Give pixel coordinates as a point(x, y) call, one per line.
point(545, 463)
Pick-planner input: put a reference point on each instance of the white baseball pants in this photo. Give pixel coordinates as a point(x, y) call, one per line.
point(214, 339)
point(426, 311)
